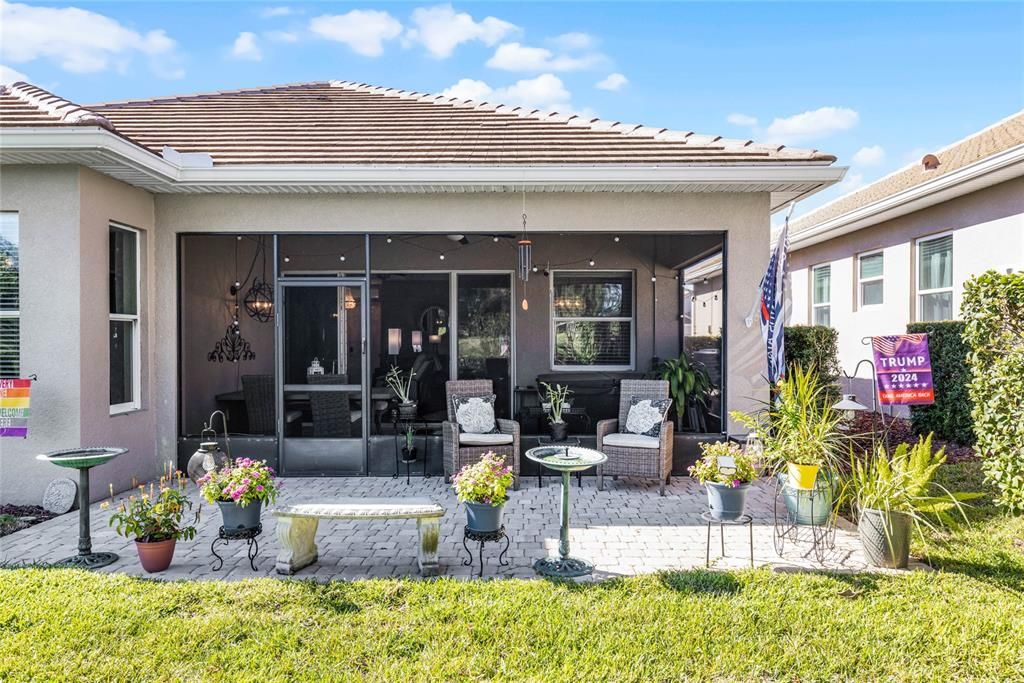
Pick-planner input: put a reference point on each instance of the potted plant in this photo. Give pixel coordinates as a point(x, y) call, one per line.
point(890, 493)
point(689, 387)
point(156, 525)
point(409, 449)
point(401, 383)
point(557, 402)
point(239, 489)
point(483, 487)
point(726, 470)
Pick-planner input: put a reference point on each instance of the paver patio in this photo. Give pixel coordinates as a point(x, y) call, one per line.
point(626, 529)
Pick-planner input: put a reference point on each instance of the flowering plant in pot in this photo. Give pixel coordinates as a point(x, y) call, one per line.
point(239, 489)
point(483, 487)
point(401, 383)
point(557, 402)
point(726, 470)
point(155, 522)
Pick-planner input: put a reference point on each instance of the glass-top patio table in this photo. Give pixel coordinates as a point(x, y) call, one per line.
point(565, 459)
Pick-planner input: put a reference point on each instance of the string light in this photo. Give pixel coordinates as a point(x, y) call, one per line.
point(526, 304)
point(616, 238)
point(441, 256)
point(654, 278)
point(535, 269)
point(389, 239)
point(287, 259)
point(495, 238)
point(591, 263)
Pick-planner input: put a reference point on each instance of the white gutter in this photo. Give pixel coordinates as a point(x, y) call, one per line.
point(994, 169)
point(71, 140)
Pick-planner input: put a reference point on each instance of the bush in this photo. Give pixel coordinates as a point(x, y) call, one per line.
point(993, 314)
point(950, 416)
point(814, 345)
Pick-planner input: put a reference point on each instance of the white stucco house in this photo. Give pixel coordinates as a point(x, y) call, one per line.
point(168, 257)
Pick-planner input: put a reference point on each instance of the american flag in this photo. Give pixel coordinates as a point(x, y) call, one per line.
point(773, 286)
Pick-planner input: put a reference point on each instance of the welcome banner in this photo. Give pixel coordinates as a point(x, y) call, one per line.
point(903, 369)
point(15, 395)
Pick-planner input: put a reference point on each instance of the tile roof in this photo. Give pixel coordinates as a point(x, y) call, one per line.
point(337, 122)
point(1002, 136)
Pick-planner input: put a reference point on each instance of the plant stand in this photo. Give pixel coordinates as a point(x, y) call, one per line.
point(224, 536)
point(483, 537)
point(740, 521)
point(787, 524)
point(401, 426)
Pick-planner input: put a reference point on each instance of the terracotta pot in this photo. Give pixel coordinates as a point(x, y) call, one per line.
point(155, 556)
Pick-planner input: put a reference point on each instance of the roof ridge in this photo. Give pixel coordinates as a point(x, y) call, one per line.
point(211, 93)
point(55, 105)
point(575, 120)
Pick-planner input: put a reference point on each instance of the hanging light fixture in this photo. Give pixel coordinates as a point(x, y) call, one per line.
point(524, 251)
point(232, 347)
point(259, 300)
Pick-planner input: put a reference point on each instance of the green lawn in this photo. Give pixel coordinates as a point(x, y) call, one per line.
point(965, 621)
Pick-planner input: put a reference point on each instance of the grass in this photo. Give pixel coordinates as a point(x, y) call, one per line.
point(964, 621)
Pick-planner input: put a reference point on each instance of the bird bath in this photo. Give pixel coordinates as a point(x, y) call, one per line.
point(84, 459)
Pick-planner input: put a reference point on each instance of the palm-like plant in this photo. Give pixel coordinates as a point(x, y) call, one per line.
point(686, 382)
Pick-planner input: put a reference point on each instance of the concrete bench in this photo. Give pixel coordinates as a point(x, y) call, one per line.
point(296, 527)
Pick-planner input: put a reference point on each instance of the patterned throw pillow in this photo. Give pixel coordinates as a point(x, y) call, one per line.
point(475, 414)
point(646, 415)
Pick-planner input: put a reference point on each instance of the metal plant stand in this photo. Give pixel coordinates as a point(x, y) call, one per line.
point(401, 426)
point(483, 537)
point(224, 536)
point(565, 459)
point(788, 522)
point(83, 460)
point(722, 523)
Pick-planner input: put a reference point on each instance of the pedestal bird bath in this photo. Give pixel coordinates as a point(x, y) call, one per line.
point(84, 459)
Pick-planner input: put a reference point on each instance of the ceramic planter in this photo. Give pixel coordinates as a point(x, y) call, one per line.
point(802, 476)
point(407, 410)
point(559, 430)
point(800, 506)
point(726, 503)
point(155, 556)
point(885, 537)
point(408, 454)
point(484, 518)
point(236, 517)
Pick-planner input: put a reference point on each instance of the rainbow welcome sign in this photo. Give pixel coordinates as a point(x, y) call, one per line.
point(14, 406)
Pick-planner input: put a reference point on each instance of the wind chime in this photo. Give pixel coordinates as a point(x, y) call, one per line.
point(525, 254)
point(232, 347)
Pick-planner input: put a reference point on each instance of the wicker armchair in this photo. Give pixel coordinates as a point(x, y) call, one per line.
point(457, 456)
point(631, 461)
point(332, 412)
point(260, 406)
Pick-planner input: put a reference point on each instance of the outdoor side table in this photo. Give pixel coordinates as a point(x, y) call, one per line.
point(483, 537)
point(569, 442)
point(566, 461)
point(722, 523)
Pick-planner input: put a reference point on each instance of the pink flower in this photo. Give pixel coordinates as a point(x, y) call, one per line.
point(259, 487)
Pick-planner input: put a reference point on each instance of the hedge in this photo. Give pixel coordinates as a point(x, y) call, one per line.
point(950, 416)
point(816, 345)
point(993, 314)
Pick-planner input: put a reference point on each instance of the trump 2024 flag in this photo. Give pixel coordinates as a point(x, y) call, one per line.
point(903, 369)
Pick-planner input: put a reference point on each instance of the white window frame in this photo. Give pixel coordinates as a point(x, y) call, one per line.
point(554, 320)
point(823, 304)
point(919, 293)
point(862, 280)
point(16, 314)
point(136, 402)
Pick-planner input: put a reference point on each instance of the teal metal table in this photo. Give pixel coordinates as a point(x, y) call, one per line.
point(566, 460)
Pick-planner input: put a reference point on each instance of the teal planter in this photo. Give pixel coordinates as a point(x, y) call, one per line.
point(484, 518)
point(726, 503)
point(236, 517)
point(798, 503)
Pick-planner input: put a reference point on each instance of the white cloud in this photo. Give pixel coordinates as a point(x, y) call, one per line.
point(271, 12)
point(441, 29)
point(9, 75)
point(517, 57)
point(81, 41)
point(852, 182)
point(246, 47)
point(364, 31)
point(869, 156)
point(573, 41)
point(811, 125)
point(282, 36)
point(612, 82)
point(545, 92)
point(741, 120)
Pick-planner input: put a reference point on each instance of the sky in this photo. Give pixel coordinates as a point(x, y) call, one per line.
point(877, 84)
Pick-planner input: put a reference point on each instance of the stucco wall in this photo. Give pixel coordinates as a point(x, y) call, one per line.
point(988, 232)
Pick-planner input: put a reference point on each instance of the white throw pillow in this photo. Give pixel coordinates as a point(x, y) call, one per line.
point(475, 414)
point(645, 416)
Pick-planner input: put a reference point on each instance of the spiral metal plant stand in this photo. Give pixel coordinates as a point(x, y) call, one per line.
point(788, 524)
point(224, 536)
point(482, 537)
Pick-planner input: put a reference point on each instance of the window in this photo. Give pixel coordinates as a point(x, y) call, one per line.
point(10, 299)
point(592, 320)
point(125, 353)
point(935, 278)
point(870, 283)
point(821, 301)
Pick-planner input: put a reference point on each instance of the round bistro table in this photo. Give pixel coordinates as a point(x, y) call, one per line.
point(566, 460)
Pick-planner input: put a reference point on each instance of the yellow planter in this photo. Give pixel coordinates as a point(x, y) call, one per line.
point(802, 476)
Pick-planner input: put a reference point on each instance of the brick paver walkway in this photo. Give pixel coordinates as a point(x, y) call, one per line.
point(626, 529)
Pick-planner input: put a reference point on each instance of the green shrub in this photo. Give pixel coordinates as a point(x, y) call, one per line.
point(813, 345)
point(993, 315)
point(949, 418)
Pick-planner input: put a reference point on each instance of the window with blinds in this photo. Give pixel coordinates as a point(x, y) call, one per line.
point(10, 296)
point(935, 278)
point(821, 295)
point(871, 271)
point(592, 320)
